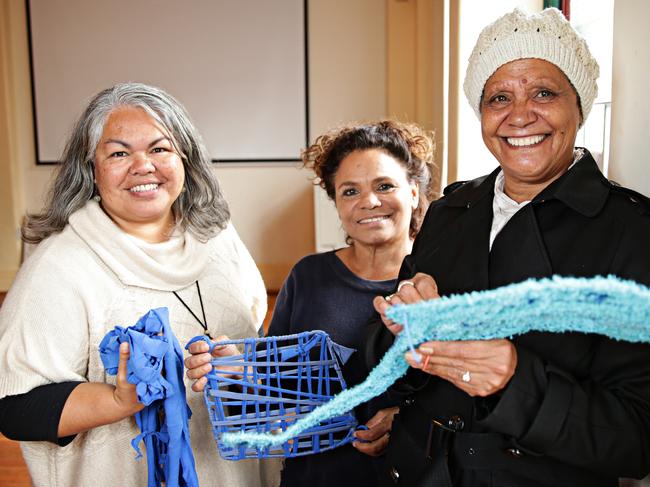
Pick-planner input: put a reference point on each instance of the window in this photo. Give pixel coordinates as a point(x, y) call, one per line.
point(594, 20)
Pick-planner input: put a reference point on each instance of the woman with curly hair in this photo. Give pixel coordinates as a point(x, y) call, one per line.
point(379, 177)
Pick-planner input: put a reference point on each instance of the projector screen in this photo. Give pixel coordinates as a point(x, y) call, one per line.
point(238, 66)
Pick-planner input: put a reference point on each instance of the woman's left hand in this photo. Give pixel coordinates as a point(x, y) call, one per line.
point(478, 367)
point(420, 287)
point(375, 438)
point(198, 364)
point(124, 394)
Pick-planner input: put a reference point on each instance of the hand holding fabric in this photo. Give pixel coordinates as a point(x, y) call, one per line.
point(155, 367)
point(419, 288)
point(198, 363)
point(374, 440)
point(478, 367)
point(143, 369)
point(125, 392)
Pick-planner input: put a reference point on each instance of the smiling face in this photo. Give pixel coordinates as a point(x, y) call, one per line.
point(374, 198)
point(529, 121)
point(138, 172)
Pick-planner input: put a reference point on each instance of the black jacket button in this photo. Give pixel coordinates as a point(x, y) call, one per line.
point(394, 474)
point(456, 423)
point(515, 452)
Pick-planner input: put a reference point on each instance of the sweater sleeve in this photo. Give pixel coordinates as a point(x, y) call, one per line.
point(35, 415)
point(44, 335)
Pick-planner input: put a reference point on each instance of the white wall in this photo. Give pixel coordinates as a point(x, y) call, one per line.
point(348, 64)
point(17, 153)
point(630, 128)
point(272, 206)
point(238, 67)
point(630, 132)
point(9, 245)
point(277, 210)
point(273, 212)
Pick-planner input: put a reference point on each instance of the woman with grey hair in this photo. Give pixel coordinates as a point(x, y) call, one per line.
point(135, 220)
point(539, 409)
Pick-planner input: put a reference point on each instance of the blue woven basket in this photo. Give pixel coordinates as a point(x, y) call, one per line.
point(279, 380)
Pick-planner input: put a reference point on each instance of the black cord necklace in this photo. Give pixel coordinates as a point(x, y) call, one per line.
point(204, 323)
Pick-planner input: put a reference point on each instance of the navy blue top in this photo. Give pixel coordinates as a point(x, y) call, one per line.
point(321, 293)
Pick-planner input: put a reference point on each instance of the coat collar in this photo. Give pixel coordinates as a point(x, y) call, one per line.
point(583, 188)
point(469, 193)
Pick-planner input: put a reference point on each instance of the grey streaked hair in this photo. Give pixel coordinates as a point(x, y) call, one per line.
point(200, 209)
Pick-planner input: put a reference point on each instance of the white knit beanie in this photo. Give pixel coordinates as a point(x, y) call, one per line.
point(546, 35)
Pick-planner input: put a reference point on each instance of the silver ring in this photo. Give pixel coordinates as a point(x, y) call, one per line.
point(466, 376)
point(389, 297)
point(404, 283)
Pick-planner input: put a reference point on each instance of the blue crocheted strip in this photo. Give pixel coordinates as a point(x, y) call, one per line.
point(154, 351)
point(607, 306)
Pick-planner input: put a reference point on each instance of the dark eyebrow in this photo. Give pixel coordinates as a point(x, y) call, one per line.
point(374, 181)
point(346, 183)
point(159, 139)
point(382, 178)
point(504, 85)
point(117, 141)
point(128, 146)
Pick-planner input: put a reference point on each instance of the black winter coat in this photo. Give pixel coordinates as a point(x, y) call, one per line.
point(577, 410)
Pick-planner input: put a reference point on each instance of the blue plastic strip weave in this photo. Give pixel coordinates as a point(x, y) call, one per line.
point(155, 367)
point(273, 383)
point(607, 306)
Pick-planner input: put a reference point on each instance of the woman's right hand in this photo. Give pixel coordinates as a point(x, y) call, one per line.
point(93, 404)
point(374, 439)
point(419, 288)
point(198, 364)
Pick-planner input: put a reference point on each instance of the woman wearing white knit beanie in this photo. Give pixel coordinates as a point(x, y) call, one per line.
point(538, 409)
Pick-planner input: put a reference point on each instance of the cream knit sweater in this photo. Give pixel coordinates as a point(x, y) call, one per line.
point(77, 286)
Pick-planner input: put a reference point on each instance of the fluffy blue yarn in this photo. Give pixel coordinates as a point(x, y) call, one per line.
point(608, 306)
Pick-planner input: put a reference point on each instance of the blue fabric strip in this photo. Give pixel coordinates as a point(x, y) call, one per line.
point(608, 306)
point(155, 367)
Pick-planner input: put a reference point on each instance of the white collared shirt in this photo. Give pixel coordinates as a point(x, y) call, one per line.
point(504, 207)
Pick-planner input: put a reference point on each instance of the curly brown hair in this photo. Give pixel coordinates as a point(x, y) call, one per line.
point(408, 143)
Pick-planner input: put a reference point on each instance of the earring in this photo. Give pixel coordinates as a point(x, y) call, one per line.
point(97, 198)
